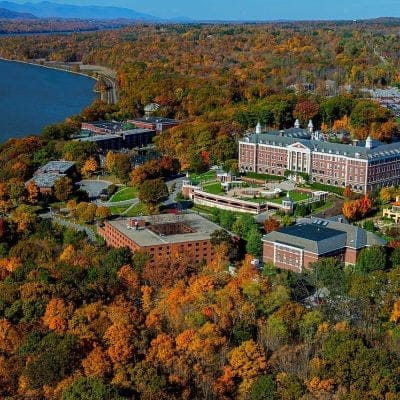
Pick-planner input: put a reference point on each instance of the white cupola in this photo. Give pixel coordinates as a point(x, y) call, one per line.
point(368, 143)
point(310, 126)
point(258, 128)
point(297, 123)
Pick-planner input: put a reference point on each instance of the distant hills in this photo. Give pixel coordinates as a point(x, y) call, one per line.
point(9, 14)
point(46, 9)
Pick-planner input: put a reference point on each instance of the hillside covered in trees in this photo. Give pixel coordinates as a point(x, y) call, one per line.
point(81, 321)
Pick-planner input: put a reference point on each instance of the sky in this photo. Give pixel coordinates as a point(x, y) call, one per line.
point(253, 9)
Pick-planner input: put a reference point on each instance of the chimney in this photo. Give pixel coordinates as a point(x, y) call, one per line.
point(282, 133)
point(258, 128)
point(368, 143)
point(355, 142)
point(297, 124)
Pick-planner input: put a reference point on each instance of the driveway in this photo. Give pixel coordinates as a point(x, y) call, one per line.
point(94, 188)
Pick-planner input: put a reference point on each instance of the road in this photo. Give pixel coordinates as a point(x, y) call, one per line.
point(111, 94)
point(94, 187)
point(178, 188)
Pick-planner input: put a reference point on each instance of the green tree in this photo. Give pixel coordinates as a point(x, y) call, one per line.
point(371, 259)
point(122, 167)
point(63, 188)
point(329, 273)
point(264, 388)
point(395, 257)
point(254, 243)
point(152, 191)
point(90, 389)
point(52, 359)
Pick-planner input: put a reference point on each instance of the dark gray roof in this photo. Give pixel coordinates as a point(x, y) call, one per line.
point(378, 151)
point(99, 138)
point(46, 180)
point(310, 231)
point(155, 120)
point(322, 236)
point(60, 167)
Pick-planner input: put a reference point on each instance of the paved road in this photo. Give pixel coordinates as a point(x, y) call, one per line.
point(111, 94)
point(94, 187)
point(178, 188)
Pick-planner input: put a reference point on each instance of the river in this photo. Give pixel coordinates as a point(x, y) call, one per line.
point(32, 97)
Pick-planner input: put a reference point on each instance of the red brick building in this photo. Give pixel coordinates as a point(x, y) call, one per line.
point(162, 235)
point(295, 247)
point(363, 166)
point(155, 123)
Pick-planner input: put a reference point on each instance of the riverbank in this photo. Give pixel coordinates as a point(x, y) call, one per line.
point(108, 74)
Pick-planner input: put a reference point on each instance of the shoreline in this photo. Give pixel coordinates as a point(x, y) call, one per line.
point(47, 66)
point(60, 68)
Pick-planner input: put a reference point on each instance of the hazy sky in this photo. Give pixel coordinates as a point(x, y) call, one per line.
point(254, 9)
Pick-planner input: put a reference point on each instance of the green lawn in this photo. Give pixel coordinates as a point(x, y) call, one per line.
point(329, 204)
point(213, 188)
point(298, 196)
point(137, 209)
point(118, 210)
point(134, 211)
point(327, 188)
point(126, 193)
point(295, 196)
point(205, 176)
point(265, 177)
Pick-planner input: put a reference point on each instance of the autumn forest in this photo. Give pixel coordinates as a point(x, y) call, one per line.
point(79, 320)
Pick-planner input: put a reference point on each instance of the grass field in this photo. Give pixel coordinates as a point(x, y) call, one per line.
point(265, 177)
point(134, 211)
point(118, 210)
point(295, 196)
point(126, 193)
point(213, 188)
point(205, 176)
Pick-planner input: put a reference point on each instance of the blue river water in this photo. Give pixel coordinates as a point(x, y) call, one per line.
point(32, 97)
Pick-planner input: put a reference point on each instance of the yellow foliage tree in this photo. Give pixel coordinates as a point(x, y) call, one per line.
point(247, 362)
point(89, 167)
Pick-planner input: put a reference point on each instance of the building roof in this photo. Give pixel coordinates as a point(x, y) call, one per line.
point(110, 136)
point(290, 136)
point(108, 126)
point(46, 180)
point(321, 236)
point(99, 138)
point(202, 229)
point(60, 167)
point(156, 120)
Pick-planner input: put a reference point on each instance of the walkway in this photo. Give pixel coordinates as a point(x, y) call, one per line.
point(68, 224)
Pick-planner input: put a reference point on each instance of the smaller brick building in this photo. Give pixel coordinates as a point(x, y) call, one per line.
point(154, 123)
point(163, 235)
point(295, 247)
point(47, 175)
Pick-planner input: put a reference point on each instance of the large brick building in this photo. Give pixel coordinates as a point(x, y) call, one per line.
point(295, 247)
point(155, 123)
point(163, 235)
point(363, 166)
